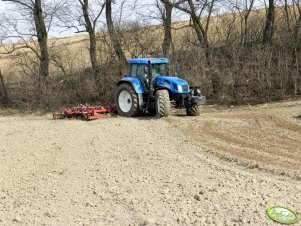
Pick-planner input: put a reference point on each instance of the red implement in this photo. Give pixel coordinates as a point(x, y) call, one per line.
point(85, 112)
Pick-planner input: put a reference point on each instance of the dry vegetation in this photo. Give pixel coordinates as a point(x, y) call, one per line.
point(247, 70)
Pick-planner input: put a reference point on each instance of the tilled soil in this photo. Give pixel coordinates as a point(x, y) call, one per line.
point(224, 167)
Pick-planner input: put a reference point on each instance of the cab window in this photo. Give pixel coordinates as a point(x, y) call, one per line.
point(141, 71)
point(134, 70)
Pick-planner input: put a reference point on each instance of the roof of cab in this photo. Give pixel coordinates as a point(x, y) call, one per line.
point(146, 60)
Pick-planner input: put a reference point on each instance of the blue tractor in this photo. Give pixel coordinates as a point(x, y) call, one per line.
point(148, 88)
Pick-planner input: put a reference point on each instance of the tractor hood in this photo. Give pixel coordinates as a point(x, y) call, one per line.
point(175, 84)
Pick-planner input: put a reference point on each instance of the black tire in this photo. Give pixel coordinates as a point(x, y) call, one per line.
point(162, 103)
point(194, 110)
point(130, 108)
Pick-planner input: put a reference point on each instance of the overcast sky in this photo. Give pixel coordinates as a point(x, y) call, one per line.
point(2, 6)
point(129, 13)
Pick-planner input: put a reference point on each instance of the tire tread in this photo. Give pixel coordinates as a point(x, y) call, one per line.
point(193, 110)
point(163, 97)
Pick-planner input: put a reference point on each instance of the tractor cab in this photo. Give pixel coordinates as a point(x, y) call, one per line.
point(149, 88)
point(158, 70)
point(144, 68)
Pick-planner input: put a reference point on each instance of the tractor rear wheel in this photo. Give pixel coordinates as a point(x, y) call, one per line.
point(162, 103)
point(126, 100)
point(193, 110)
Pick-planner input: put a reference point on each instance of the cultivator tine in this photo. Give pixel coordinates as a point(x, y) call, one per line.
point(85, 112)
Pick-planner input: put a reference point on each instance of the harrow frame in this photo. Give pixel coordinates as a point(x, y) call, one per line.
point(85, 112)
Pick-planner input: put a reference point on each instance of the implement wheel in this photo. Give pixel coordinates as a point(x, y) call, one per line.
point(126, 100)
point(193, 110)
point(162, 103)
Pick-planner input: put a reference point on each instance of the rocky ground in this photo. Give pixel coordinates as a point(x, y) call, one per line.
point(224, 167)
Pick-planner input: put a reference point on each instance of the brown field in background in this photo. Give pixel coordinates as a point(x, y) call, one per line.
point(250, 73)
point(73, 52)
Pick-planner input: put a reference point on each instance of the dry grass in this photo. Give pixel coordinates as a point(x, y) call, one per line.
point(250, 73)
point(73, 52)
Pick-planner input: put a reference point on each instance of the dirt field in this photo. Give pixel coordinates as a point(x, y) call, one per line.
point(222, 168)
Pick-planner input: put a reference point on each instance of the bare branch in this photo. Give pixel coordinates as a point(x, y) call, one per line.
point(21, 3)
point(98, 15)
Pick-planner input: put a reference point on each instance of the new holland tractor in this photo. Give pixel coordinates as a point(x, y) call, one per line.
point(148, 88)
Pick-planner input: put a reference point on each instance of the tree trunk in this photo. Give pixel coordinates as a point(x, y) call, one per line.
point(269, 24)
point(245, 34)
point(42, 38)
point(92, 36)
point(4, 91)
point(167, 29)
point(113, 35)
point(217, 85)
point(246, 21)
point(295, 42)
point(200, 32)
point(90, 28)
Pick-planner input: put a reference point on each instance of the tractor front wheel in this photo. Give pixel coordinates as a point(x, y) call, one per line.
point(126, 100)
point(193, 110)
point(162, 103)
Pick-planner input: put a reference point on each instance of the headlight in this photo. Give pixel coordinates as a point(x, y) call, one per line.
point(197, 92)
point(180, 88)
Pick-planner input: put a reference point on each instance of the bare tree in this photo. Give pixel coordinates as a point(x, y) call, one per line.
point(90, 25)
point(139, 41)
point(269, 24)
point(166, 16)
point(196, 9)
point(160, 12)
point(84, 16)
point(293, 20)
point(3, 91)
point(247, 12)
point(30, 21)
point(35, 8)
point(244, 9)
point(113, 34)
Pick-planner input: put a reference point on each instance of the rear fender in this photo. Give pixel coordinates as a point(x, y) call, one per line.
point(137, 90)
point(135, 82)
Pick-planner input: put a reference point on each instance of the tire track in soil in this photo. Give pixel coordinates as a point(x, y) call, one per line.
point(145, 171)
point(268, 136)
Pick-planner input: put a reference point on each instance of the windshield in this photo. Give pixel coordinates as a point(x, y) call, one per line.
point(159, 70)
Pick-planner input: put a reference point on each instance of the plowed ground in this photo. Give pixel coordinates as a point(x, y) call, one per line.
point(224, 167)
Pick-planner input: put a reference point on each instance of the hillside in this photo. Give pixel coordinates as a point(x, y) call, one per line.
point(235, 68)
point(137, 41)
